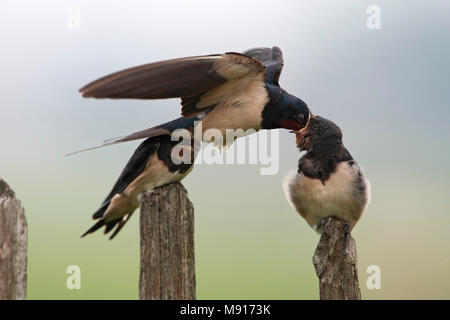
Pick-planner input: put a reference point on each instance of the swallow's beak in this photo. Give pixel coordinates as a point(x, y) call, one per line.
point(299, 139)
point(302, 134)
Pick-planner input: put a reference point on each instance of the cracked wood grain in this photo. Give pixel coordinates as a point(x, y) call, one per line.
point(13, 246)
point(167, 269)
point(335, 262)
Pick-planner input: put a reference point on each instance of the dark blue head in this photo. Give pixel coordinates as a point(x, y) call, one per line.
point(289, 112)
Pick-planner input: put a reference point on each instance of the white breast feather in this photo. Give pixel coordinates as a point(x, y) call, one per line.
point(338, 197)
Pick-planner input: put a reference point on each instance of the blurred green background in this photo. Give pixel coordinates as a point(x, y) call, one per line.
point(387, 89)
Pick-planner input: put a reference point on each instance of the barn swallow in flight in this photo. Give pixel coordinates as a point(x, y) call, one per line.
point(222, 91)
point(329, 181)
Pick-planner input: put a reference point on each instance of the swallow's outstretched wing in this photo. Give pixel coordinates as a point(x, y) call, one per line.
point(203, 83)
point(200, 82)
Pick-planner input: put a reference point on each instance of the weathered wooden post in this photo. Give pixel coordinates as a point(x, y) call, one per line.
point(167, 270)
point(13, 246)
point(335, 262)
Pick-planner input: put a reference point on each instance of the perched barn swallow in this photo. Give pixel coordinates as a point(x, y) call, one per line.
point(150, 166)
point(221, 91)
point(329, 181)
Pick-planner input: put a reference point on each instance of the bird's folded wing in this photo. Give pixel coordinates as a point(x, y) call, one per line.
point(201, 82)
point(135, 166)
point(183, 77)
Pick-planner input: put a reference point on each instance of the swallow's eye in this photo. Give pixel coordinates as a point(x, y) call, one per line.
point(315, 126)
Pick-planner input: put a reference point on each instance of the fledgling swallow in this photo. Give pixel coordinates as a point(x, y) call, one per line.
point(222, 91)
point(329, 182)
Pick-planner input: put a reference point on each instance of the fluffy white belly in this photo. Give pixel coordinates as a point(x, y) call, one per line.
point(344, 195)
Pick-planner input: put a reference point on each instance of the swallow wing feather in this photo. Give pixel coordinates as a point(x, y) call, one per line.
point(183, 78)
point(201, 82)
point(271, 58)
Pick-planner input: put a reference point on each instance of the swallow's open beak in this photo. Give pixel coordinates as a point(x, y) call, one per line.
point(299, 139)
point(302, 134)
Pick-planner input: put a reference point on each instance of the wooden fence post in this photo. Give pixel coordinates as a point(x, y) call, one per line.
point(13, 246)
point(167, 270)
point(335, 262)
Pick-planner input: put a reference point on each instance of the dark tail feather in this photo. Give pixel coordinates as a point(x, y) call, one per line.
point(95, 227)
point(122, 222)
point(109, 226)
point(99, 213)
